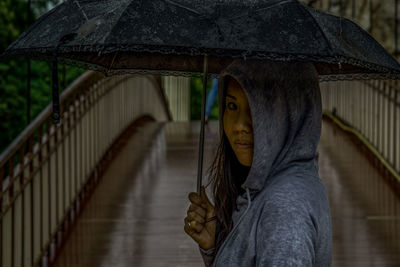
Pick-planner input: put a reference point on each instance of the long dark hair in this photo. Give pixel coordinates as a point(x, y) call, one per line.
point(226, 176)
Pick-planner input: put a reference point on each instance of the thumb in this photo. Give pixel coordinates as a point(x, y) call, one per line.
point(205, 199)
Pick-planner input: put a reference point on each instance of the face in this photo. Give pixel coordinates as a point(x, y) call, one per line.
point(238, 125)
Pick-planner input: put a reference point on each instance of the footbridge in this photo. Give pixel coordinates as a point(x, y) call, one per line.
point(108, 186)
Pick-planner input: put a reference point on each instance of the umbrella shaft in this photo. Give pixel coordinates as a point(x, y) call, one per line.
point(201, 142)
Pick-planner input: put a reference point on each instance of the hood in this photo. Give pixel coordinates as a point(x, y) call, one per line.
point(285, 104)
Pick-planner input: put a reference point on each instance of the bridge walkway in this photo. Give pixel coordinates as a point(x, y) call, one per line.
point(135, 215)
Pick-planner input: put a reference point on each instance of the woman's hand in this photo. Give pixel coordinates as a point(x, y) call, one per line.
point(198, 213)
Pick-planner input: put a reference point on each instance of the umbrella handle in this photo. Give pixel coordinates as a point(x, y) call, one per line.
point(201, 141)
point(55, 93)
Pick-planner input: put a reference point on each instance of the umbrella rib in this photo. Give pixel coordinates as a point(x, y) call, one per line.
point(322, 32)
point(81, 9)
point(264, 8)
point(123, 5)
point(182, 6)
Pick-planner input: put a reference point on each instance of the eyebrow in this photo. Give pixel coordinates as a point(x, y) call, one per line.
point(231, 96)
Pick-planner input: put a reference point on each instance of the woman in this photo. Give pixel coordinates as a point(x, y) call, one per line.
point(271, 207)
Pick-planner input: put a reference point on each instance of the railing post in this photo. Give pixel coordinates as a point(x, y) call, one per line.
point(48, 158)
point(396, 21)
point(40, 161)
point(69, 148)
point(380, 120)
point(62, 138)
point(361, 100)
point(1, 214)
point(81, 145)
point(10, 200)
point(31, 200)
point(395, 133)
point(374, 113)
point(21, 189)
point(75, 158)
point(390, 125)
point(370, 111)
point(56, 178)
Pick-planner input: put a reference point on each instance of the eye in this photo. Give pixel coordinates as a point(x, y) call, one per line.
point(231, 106)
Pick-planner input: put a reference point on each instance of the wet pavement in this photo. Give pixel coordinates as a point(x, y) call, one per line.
point(135, 216)
point(364, 207)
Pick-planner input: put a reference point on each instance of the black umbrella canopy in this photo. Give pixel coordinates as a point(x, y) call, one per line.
point(185, 36)
point(118, 36)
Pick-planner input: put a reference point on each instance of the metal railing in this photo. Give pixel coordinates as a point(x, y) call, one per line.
point(177, 90)
point(43, 173)
point(372, 110)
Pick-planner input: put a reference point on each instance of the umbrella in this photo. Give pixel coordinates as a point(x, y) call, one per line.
point(183, 36)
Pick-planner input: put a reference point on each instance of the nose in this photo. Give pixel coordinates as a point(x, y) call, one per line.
point(243, 123)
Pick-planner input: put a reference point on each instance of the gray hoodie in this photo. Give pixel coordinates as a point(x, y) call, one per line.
point(283, 218)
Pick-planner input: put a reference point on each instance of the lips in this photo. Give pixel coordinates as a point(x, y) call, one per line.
point(243, 144)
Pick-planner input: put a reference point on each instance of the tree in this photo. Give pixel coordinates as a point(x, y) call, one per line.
point(13, 73)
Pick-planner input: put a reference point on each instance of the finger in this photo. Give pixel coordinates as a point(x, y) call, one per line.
point(199, 210)
point(193, 229)
point(193, 216)
point(198, 237)
point(195, 199)
point(189, 230)
point(196, 226)
point(192, 233)
point(188, 226)
point(205, 199)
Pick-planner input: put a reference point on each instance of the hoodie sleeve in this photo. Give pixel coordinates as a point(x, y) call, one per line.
point(208, 256)
point(286, 232)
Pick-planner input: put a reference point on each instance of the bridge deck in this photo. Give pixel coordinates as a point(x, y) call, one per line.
point(135, 216)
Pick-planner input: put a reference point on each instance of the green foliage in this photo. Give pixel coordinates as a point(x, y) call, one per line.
point(196, 88)
point(13, 73)
point(13, 91)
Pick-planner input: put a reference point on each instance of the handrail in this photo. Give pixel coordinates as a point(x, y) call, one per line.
point(43, 172)
point(84, 81)
point(372, 110)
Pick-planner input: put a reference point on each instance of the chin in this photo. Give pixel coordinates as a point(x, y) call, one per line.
point(245, 162)
point(245, 158)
